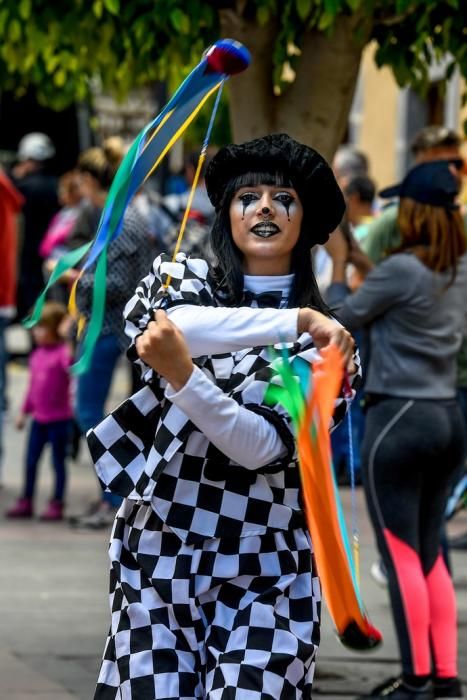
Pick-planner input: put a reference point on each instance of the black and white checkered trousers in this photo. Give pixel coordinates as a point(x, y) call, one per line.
point(223, 619)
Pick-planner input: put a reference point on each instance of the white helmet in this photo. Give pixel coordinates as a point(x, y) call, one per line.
point(35, 146)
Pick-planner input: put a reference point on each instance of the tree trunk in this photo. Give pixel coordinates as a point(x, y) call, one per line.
point(314, 109)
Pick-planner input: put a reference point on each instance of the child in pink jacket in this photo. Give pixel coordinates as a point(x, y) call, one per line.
point(48, 402)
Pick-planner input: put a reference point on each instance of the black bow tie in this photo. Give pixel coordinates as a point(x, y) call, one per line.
point(264, 300)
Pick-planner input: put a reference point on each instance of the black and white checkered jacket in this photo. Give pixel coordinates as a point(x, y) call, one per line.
point(148, 450)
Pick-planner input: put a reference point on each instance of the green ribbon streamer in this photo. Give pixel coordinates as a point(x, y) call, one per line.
point(289, 395)
point(67, 262)
point(93, 329)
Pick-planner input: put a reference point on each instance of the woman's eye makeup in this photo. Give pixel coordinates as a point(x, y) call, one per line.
point(246, 199)
point(284, 198)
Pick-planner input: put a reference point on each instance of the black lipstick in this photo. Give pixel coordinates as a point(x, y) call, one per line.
point(265, 229)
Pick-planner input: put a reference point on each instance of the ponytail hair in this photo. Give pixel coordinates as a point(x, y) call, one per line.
point(101, 162)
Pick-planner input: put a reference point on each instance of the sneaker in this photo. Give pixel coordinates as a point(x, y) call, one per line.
point(396, 689)
point(379, 574)
point(448, 688)
point(53, 512)
point(99, 520)
point(21, 509)
point(90, 510)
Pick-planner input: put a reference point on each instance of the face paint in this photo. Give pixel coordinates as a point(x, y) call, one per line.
point(265, 226)
point(246, 199)
point(286, 200)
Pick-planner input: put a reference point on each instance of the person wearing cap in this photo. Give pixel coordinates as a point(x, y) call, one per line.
point(432, 143)
point(39, 189)
point(214, 590)
point(414, 306)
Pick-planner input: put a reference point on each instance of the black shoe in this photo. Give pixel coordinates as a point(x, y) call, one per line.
point(396, 689)
point(459, 542)
point(448, 688)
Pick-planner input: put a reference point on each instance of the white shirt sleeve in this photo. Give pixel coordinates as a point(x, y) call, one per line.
point(211, 330)
point(244, 436)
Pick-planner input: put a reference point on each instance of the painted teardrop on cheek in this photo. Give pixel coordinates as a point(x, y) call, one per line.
point(244, 202)
point(287, 203)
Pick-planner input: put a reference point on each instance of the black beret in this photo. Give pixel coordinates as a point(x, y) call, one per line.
point(312, 177)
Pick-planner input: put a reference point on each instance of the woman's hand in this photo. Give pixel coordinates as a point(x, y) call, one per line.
point(162, 346)
point(325, 331)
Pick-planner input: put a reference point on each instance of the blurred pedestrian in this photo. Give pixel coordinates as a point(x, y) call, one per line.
point(359, 196)
point(96, 169)
point(48, 402)
point(201, 208)
point(54, 243)
point(430, 144)
point(359, 193)
point(349, 162)
point(128, 259)
point(38, 186)
point(11, 202)
point(200, 217)
point(62, 224)
point(414, 303)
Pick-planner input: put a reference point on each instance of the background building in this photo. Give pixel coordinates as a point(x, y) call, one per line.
point(384, 118)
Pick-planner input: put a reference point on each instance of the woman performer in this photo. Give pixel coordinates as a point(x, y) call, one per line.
point(414, 305)
point(214, 592)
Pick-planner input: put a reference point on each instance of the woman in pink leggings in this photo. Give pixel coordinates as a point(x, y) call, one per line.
point(414, 305)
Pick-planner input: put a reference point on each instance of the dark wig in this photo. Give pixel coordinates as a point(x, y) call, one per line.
point(228, 271)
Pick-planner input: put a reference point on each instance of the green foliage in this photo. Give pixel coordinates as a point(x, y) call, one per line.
point(61, 48)
point(221, 133)
point(419, 33)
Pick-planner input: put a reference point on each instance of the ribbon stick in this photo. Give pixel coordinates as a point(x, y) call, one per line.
point(199, 167)
point(309, 397)
point(224, 58)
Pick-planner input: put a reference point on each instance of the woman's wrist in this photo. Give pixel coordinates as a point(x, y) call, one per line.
point(179, 378)
point(304, 320)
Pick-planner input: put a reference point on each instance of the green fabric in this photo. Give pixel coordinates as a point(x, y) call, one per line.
point(94, 326)
point(288, 393)
point(67, 262)
point(117, 202)
point(382, 235)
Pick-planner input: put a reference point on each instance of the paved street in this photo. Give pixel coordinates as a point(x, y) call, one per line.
point(53, 607)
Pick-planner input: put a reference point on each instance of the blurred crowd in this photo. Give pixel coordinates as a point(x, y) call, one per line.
point(43, 217)
point(394, 272)
point(372, 232)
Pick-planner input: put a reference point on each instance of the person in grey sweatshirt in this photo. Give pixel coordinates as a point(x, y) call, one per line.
point(414, 306)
